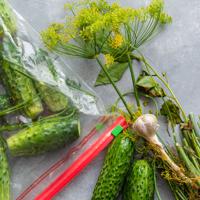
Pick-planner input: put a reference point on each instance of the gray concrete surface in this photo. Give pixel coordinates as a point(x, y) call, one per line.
point(175, 51)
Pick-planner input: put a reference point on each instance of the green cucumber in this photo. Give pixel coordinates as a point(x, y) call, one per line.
point(4, 172)
point(7, 18)
point(4, 102)
point(21, 89)
point(45, 136)
point(114, 170)
point(140, 182)
point(19, 86)
point(55, 100)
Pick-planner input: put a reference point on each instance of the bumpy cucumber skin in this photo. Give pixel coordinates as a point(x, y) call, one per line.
point(114, 170)
point(55, 100)
point(7, 17)
point(4, 102)
point(140, 182)
point(21, 89)
point(4, 173)
point(44, 136)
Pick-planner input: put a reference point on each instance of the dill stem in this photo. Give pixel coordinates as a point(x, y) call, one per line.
point(195, 144)
point(192, 158)
point(133, 81)
point(114, 86)
point(166, 85)
point(155, 182)
point(187, 161)
point(195, 125)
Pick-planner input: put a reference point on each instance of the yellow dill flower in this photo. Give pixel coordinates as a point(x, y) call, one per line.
point(155, 9)
point(101, 5)
point(56, 33)
point(165, 18)
point(85, 20)
point(109, 60)
point(117, 41)
point(115, 6)
point(142, 14)
point(86, 17)
point(51, 36)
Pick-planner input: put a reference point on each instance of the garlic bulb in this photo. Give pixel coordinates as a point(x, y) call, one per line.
point(146, 125)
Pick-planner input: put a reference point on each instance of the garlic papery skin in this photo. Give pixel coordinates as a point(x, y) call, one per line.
point(146, 126)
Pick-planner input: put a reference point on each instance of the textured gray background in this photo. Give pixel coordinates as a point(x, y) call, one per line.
point(175, 51)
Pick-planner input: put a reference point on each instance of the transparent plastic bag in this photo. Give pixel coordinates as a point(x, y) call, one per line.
point(49, 69)
point(22, 53)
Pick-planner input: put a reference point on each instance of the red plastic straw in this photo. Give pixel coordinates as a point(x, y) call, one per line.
point(61, 161)
point(82, 161)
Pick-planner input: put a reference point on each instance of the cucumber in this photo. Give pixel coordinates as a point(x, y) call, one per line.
point(7, 18)
point(21, 89)
point(19, 86)
point(4, 172)
point(45, 136)
point(55, 100)
point(140, 182)
point(4, 102)
point(114, 170)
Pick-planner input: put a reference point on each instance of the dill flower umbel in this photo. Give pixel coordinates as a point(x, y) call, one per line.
point(52, 35)
point(117, 41)
point(56, 34)
point(109, 60)
point(96, 27)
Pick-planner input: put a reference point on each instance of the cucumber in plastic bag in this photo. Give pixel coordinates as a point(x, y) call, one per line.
point(4, 102)
point(45, 135)
point(4, 172)
point(54, 99)
point(7, 17)
point(19, 86)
